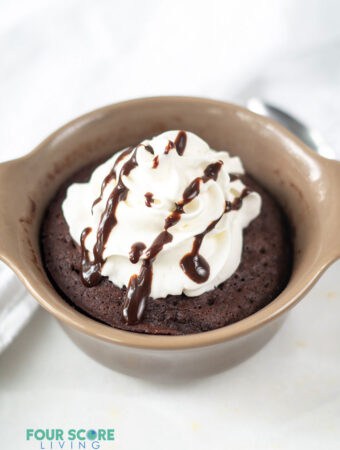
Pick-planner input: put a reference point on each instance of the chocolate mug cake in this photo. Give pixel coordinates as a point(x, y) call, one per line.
point(168, 237)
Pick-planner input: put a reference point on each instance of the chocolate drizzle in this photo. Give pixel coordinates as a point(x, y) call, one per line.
point(234, 177)
point(90, 272)
point(181, 142)
point(111, 175)
point(170, 145)
point(237, 202)
point(192, 191)
point(148, 199)
point(149, 149)
point(139, 287)
point(136, 251)
point(211, 171)
point(155, 162)
point(193, 264)
point(91, 269)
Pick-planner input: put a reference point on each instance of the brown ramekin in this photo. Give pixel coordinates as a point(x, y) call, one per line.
point(307, 186)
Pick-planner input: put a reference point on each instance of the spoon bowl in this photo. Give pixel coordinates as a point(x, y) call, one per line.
point(310, 137)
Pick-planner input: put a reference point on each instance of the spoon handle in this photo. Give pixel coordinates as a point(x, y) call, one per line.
point(310, 137)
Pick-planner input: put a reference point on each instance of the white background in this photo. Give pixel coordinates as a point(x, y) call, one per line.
point(60, 59)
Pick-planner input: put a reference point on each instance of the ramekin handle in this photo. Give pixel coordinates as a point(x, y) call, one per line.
point(11, 189)
point(332, 216)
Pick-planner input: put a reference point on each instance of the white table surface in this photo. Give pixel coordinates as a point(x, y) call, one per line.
point(60, 59)
point(287, 396)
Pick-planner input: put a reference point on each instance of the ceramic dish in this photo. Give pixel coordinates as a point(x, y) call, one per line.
point(306, 185)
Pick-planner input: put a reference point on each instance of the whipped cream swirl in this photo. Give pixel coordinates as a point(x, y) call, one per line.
point(164, 217)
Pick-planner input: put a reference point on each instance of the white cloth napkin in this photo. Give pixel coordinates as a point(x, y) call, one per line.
point(66, 58)
point(16, 307)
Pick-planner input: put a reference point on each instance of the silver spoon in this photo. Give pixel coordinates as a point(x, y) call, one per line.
point(310, 137)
